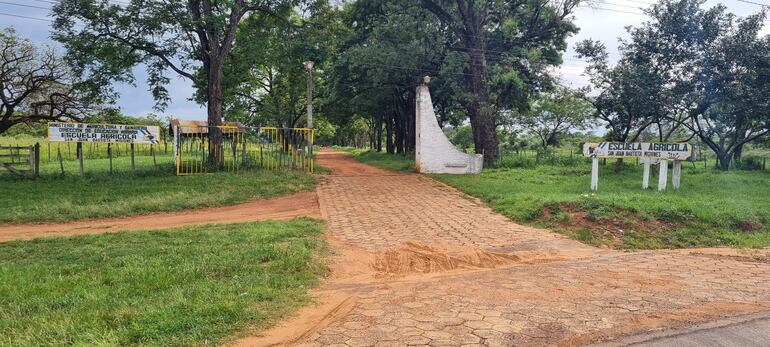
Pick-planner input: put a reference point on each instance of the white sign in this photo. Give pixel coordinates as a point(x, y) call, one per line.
point(664, 151)
point(83, 132)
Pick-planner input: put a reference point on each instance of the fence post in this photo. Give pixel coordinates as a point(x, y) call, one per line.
point(109, 155)
point(133, 163)
point(154, 161)
point(61, 162)
point(49, 151)
point(79, 150)
point(594, 174)
point(37, 160)
point(646, 174)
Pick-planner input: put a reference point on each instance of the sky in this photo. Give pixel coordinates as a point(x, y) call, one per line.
point(604, 20)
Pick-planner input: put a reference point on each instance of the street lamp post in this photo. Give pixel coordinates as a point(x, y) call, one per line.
point(309, 67)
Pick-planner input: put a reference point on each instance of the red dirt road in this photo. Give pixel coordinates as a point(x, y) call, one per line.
point(286, 207)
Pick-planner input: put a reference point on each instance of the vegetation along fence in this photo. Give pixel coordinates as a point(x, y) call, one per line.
point(242, 148)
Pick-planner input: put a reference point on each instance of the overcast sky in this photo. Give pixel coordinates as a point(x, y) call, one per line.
point(606, 21)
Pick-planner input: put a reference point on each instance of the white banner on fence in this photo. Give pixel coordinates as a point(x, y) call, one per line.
point(120, 133)
point(667, 151)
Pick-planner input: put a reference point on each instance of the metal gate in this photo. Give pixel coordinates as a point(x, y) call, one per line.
point(242, 148)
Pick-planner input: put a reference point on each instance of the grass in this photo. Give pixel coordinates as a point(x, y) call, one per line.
point(53, 198)
point(188, 286)
point(712, 208)
point(393, 162)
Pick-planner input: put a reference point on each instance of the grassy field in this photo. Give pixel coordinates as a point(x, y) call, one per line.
point(189, 286)
point(146, 190)
point(712, 208)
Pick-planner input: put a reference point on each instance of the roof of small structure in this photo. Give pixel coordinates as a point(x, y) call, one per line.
point(201, 126)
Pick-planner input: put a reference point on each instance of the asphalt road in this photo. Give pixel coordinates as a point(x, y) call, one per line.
point(744, 331)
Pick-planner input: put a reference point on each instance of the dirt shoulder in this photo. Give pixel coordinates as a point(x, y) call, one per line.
point(285, 207)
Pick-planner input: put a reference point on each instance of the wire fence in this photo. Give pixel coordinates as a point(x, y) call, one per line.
point(242, 148)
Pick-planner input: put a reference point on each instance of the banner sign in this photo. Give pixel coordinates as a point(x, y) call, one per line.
point(120, 133)
point(660, 151)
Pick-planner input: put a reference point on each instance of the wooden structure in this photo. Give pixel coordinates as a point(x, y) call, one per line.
point(20, 160)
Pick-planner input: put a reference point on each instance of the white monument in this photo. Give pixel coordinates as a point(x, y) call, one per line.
point(434, 152)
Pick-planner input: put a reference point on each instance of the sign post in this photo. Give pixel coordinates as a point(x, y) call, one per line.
point(663, 176)
point(646, 174)
point(648, 152)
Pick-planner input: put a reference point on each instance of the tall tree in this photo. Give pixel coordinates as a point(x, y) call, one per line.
point(36, 85)
point(192, 38)
point(704, 69)
point(556, 113)
point(509, 45)
point(265, 76)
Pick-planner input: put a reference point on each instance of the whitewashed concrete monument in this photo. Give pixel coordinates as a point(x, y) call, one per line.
point(434, 152)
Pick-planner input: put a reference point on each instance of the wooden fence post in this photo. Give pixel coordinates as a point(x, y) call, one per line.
point(109, 155)
point(37, 160)
point(79, 150)
point(133, 163)
point(594, 174)
point(61, 162)
point(154, 161)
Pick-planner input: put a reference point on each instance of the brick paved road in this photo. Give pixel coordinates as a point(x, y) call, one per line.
point(593, 295)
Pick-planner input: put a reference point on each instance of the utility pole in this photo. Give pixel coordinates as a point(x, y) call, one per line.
point(309, 67)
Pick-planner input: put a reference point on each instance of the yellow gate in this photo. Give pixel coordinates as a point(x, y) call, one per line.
point(242, 148)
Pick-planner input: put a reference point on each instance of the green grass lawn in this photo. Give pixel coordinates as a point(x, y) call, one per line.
point(712, 208)
point(53, 197)
point(189, 286)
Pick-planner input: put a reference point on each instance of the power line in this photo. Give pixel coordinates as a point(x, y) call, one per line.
point(754, 3)
point(25, 17)
point(24, 5)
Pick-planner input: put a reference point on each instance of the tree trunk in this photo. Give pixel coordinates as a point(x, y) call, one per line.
point(618, 165)
point(480, 110)
point(389, 133)
point(214, 98)
point(724, 161)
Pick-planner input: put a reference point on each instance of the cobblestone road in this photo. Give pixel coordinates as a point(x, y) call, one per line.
point(586, 296)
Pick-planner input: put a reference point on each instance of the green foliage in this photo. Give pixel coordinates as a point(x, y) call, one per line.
point(555, 114)
point(265, 78)
point(189, 286)
point(703, 70)
point(462, 137)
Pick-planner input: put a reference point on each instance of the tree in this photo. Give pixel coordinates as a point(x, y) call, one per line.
point(192, 38)
point(36, 85)
point(265, 79)
point(392, 45)
point(556, 113)
point(707, 70)
point(509, 45)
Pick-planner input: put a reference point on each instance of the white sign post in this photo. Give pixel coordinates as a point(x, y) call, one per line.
point(648, 152)
point(111, 133)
